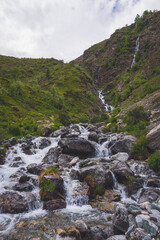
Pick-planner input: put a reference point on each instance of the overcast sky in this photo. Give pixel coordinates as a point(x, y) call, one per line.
point(63, 29)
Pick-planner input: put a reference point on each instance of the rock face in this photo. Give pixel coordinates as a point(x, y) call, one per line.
point(12, 202)
point(154, 138)
point(120, 220)
point(125, 144)
point(77, 147)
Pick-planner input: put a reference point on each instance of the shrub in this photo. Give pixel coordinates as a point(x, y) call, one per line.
point(139, 150)
point(154, 161)
point(14, 130)
point(136, 115)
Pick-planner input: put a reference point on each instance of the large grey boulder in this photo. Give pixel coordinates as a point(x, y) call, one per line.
point(154, 138)
point(120, 220)
point(122, 172)
point(124, 144)
point(77, 147)
point(52, 155)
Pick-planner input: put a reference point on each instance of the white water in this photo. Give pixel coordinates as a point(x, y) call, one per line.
point(118, 187)
point(101, 97)
point(136, 50)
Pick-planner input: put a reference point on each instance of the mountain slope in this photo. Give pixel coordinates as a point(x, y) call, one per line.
point(109, 63)
point(34, 92)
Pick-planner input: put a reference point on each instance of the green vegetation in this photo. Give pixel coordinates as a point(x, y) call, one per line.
point(154, 161)
point(99, 190)
point(50, 171)
point(140, 151)
point(35, 92)
point(48, 185)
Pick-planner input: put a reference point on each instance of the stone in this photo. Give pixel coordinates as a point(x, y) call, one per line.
point(134, 209)
point(150, 228)
point(120, 220)
point(153, 183)
point(2, 159)
point(130, 230)
point(23, 179)
point(121, 156)
point(34, 168)
point(52, 155)
point(155, 216)
point(155, 206)
point(93, 136)
point(74, 161)
point(153, 138)
point(79, 188)
point(97, 233)
point(81, 226)
point(138, 234)
point(122, 172)
point(60, 132)
point(12, 141)
point(74, 232)
point(61, 232)
point(44, 142)
point(12, 202)
point(54, 204)
point(148, 195)
point(23, 187)
point(125, 144)
point(17, 164)
point(140, 218)
point(64, 160)
point(117, 237)
point(77, 147)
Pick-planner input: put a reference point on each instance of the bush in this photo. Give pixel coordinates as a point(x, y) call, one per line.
point(140, 151)
point(136, 115)
point(154, 161)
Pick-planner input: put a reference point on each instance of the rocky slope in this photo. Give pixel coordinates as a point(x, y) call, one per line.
point(109, 63)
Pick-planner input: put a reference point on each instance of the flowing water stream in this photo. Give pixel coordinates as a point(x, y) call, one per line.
point(136, 50)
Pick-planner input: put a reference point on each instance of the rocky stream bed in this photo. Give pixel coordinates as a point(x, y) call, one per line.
point(99, 191)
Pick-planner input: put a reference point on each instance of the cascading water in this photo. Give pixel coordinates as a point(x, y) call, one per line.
point(136, 50)
point(101, 97)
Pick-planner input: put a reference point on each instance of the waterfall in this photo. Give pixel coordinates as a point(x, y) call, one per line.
point(118, 187)
point(136, 50)
point(101, 97)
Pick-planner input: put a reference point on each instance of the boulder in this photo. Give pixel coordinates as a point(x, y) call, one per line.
point(2, 159)
point(120, 220)
point(44, 142)
point(74, 161)
point(140, 218)
point(149, 195)
point(77, 147)
point(81, 226)
point(150, 228)
point(54, 204)
point(117, 237)
point(52, 155)
point(12, 202)
point(139, 234)
point(60, 132)
point(12, 141)
point(23, 187)
point(34, 168)
point(93, 136)
point(124, 144)
point(121, 156)
point(153, 183)
point(23, 179)
point(122, 172)
point(153, 138)
point(79, 188)
point(64, 160)
point(97, 233)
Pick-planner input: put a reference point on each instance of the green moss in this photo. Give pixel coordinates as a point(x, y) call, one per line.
point(48, 185)
point(99, 190)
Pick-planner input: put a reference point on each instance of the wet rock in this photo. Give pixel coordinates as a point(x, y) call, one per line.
point(17, 164)
point(130, 230)
point(122, 172)
point(82, 227)
point(64, 160)
point(60, 132)
point(12, 202)
point(17, 159)
point(52, 155)
point(44, 142)
point(139, 234)
point(153, 183)
point(120, 220)
point(155, 217)
point(133, 209)
point(61, 232)
point(54, 204)
point(12, 141)
point(24, 179)
point(74, 173)
point(80, 188)
point(134, 184)
point(34, 168)
point(125, 144)
point(27, 149)
point(77, 147)
point(121, 156)
point(155, 206)
point(93, 136)
point(149, 195)
point(74, 232)
point(153, 138)
point(2, 159)
point(23, 187)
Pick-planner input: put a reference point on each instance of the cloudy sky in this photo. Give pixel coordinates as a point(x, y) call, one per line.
point(63, 29)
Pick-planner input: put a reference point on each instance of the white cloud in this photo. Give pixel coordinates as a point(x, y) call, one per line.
point(63, 29)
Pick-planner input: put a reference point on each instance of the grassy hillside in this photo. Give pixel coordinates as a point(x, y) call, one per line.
point(34, 92)
point(109, 63)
